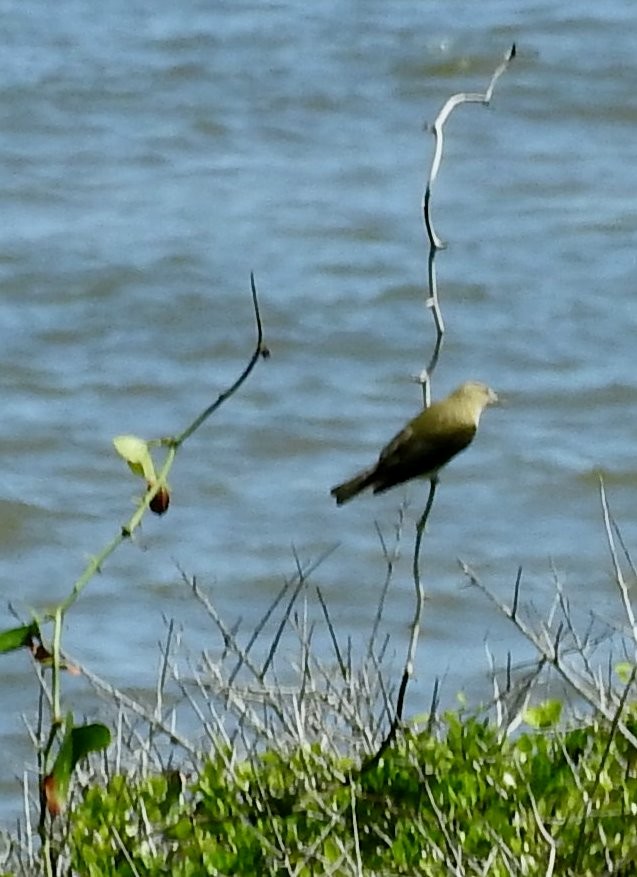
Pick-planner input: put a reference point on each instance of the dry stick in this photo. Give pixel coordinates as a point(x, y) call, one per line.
point(432, 302)
point(550, 868)
point(420, 599)
point(332, 633)
point(624, 547)
point(433, 709)
point(619, 578)
point(390, 560)
point(302, 579)
point(258, 630)
point(580, 645)
point(454, 101)
point(453, 850)
point(435, 242)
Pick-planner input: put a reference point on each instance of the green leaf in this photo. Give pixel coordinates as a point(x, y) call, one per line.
point(76, 744)
point(19, 637)
point(135, 451)
point(544, 715)
point(89, 738)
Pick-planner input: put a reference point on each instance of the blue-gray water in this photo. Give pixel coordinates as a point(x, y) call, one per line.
point(151, 155)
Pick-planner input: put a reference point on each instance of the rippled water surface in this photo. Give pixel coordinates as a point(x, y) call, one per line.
point(151, 156)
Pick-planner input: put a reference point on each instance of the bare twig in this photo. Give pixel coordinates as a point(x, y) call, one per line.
point(437, 129)
point(332, 633)
point(420, 598)
point(454, 850)
point(435, 243)
point(610, 526)
point(260, 350)
point(390, 558)
point(414, 633)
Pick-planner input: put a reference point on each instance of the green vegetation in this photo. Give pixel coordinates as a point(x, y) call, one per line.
point(464, 801)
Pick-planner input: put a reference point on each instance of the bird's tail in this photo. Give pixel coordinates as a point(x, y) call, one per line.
point(349, 489)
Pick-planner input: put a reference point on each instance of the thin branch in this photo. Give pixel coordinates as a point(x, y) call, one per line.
point(357, 846)
point(332, 633)
point(433, 709)
point(390, 560)
point(609, 526)
point(420, 598)
point(414, 634)
point(432, 303)
point(435, 243)
point(173, 444)
point(437, 129)
point(260, 350)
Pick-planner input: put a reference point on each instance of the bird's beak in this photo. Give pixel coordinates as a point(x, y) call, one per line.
point(494, 399)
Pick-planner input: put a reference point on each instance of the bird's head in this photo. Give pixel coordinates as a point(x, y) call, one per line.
point(475, 396)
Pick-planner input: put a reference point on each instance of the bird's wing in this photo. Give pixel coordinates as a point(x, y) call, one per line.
point(409, 455)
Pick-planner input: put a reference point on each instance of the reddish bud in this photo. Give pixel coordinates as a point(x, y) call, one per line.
point(160, 502)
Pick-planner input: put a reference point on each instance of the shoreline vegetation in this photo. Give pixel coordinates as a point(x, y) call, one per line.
point(278, 783)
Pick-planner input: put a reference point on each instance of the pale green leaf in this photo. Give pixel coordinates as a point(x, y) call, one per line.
point(135, 451)
point(544, 715)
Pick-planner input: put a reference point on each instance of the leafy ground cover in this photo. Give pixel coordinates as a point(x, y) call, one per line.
point(464, 800)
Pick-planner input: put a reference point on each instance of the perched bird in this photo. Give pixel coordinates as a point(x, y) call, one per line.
point(426, 444)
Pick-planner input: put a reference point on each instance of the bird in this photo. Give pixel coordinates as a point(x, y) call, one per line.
point(425, 444)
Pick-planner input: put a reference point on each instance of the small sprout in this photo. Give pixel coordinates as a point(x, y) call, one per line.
point(265, 352)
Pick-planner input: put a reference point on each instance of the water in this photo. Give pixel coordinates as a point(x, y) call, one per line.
point(150, 159)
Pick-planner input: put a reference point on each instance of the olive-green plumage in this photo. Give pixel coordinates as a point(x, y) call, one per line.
point(426, 444)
